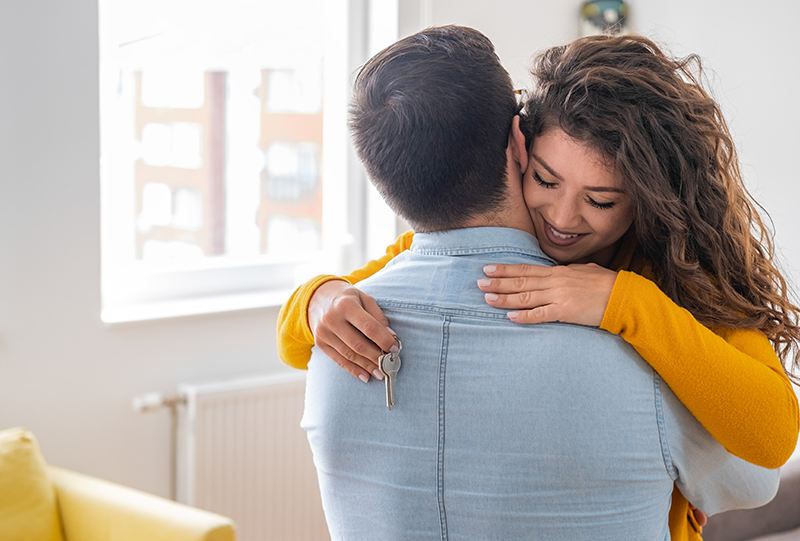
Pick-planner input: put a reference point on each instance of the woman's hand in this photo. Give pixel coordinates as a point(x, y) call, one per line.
point(699, 516)
point(349, 328)
point(575, 293)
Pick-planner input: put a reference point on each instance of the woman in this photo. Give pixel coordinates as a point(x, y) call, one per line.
point(633, 181)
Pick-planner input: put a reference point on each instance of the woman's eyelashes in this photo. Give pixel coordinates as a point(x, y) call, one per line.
point(550, 185)
point(541, 182)
point(601, 206)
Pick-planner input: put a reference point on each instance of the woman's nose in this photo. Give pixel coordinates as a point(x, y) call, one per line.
point(563, 214)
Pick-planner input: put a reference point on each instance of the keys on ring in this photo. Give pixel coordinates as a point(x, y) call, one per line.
point(389, 365)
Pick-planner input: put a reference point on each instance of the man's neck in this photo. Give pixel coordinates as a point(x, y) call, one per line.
point(507, 218)
point(480, 222)
point(513, 218)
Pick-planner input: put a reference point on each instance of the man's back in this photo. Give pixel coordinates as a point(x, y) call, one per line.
point(500, 431)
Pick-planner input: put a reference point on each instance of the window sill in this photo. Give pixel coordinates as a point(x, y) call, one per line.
point(195, 306)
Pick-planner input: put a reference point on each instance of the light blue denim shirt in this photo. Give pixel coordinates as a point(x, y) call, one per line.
point(504, 431)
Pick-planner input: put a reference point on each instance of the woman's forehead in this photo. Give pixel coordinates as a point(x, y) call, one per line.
point(563, 157)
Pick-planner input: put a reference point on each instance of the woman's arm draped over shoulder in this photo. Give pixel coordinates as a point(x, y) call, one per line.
point(730, 379)
point(295, 339)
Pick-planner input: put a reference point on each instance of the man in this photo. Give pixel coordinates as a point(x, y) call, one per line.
point(499, 431)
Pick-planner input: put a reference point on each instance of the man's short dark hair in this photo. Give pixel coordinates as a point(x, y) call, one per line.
point(430, 120)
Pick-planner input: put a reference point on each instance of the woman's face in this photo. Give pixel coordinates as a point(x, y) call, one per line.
point(575, 199)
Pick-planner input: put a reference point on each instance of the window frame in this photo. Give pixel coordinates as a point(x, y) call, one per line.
point(140, 292)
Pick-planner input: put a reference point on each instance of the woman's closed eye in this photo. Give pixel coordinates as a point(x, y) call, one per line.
point(541, 181)
point(601, 206)
point(551, 185)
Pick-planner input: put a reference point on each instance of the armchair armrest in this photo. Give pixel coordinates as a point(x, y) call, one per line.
point(96, 510)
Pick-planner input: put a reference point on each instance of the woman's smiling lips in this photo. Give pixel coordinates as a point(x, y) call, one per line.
point(560, 238)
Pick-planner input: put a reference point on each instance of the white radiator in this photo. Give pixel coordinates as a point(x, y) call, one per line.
point(242, 453)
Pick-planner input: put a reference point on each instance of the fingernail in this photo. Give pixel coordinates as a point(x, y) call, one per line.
point(484, 282)
point(488, 269)
point(491, 297)
point(378, 374)
point(513, 315)
point(364, 378)
point(391, 331)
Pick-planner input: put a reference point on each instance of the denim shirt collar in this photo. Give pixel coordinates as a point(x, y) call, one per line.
point(478, 240)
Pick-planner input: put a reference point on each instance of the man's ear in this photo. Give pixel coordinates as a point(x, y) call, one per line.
point(516, 141)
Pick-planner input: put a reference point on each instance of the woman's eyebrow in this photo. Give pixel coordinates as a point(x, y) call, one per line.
point(605, 189)
point(544, 164)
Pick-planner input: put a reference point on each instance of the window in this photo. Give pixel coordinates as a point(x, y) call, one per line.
point(224, 158)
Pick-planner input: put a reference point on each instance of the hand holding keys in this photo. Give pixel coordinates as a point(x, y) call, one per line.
point(389, 364)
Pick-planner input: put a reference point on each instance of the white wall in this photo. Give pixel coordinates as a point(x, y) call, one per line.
point(62, 374)
point(71, 380)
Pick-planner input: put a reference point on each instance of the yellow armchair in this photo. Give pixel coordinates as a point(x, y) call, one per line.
point(95, 510)
point(46, 503)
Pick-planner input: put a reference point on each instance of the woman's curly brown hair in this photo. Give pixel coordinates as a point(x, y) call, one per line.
point(695, 223)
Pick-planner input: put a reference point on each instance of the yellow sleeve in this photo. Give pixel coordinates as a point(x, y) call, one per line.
point(730, 379)
point(295, 339)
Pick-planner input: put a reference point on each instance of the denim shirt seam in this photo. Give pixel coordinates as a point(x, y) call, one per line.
point(662, 429)
point(443, 310)
point(511, 250)
point(441, 440)
point(451, 312)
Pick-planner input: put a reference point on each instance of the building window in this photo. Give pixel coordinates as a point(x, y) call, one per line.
point(215, 123)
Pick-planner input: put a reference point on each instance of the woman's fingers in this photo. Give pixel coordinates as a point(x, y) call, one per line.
point(351, 344)
point(515, 285)
point(376, 326)
point(523, 300)
point(355, 369)
point(572, 294)
point(350, 328)
point(699, 516)
point(548, 313)
point(529, 306)
point(500, 270)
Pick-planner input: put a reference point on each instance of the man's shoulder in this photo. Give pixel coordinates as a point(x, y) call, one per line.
point(439, 278)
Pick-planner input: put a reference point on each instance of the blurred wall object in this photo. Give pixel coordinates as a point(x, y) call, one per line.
point(604, 17)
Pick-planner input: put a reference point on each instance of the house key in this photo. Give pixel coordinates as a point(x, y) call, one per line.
point(389, 364)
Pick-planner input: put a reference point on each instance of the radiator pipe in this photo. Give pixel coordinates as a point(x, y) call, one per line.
point(152, 402)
